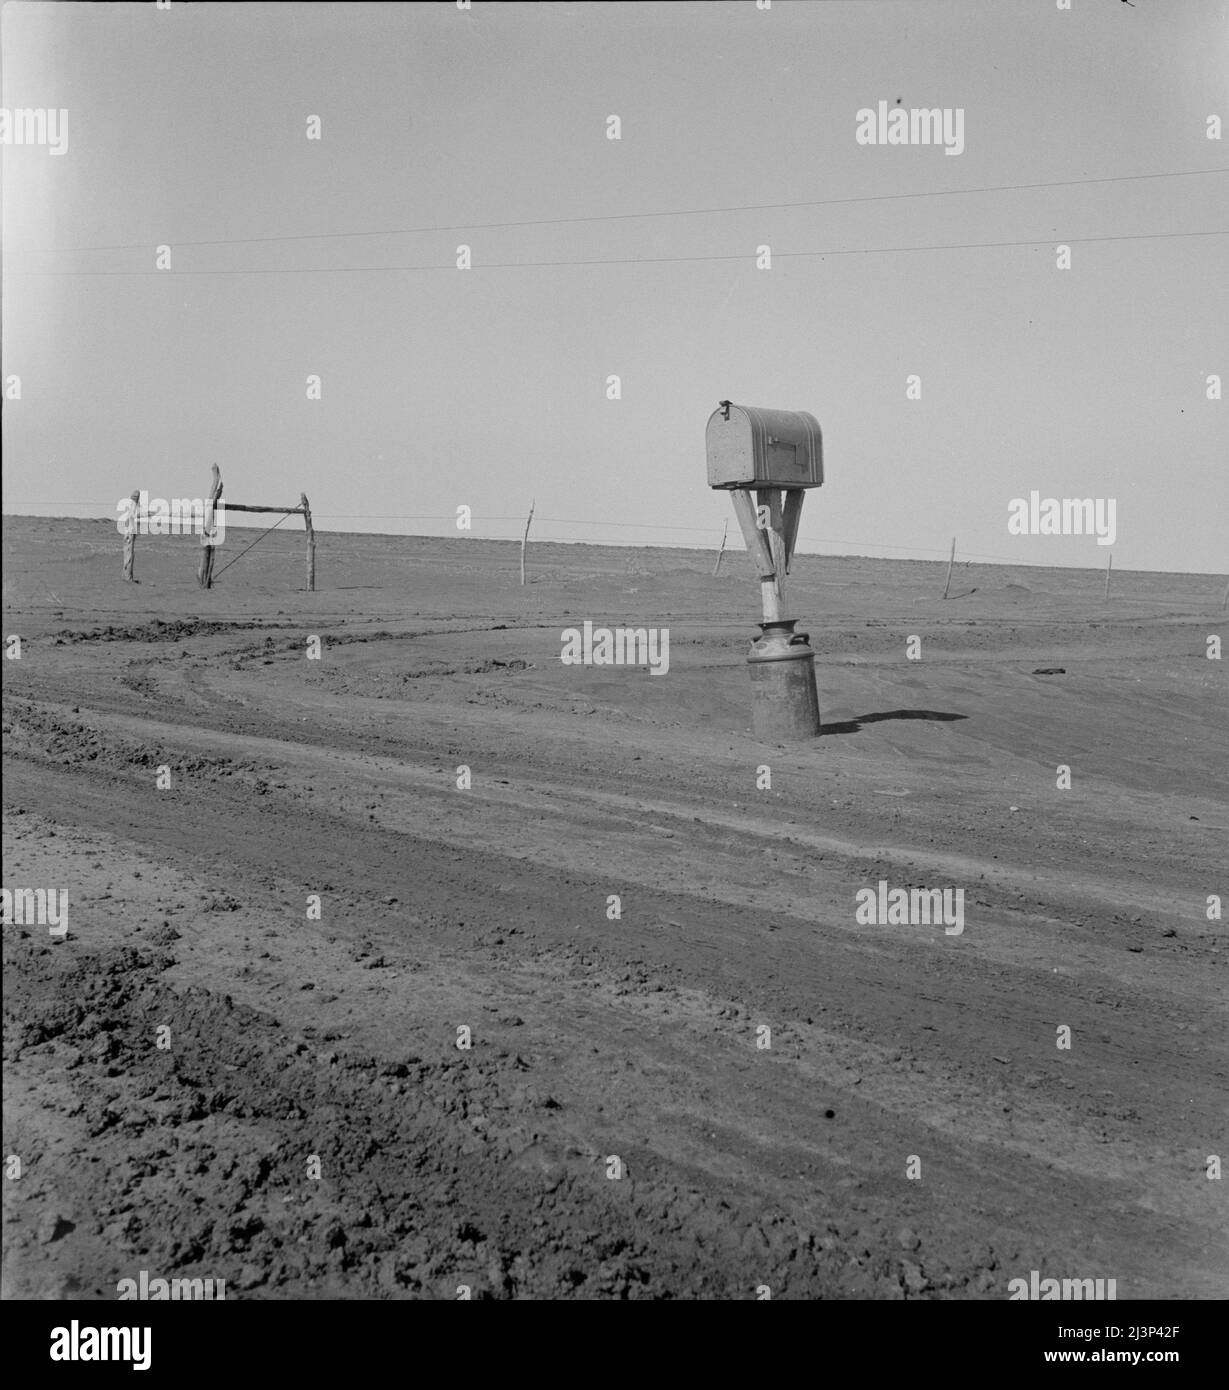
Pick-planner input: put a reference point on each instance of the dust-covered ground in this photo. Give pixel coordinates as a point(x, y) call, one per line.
point(209, 1077)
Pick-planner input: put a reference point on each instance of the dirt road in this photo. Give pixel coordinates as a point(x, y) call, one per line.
point(615, 907)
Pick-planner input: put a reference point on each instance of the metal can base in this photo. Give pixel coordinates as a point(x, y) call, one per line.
point(784, 699)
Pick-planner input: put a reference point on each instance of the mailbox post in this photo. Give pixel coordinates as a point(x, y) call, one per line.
point(779, 454)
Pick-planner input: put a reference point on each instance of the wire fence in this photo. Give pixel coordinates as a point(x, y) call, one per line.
point(852, 547)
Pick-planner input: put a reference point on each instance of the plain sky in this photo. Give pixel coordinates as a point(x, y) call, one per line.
point(488, 387)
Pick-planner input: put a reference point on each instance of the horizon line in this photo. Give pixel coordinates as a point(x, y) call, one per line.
point(469, 538)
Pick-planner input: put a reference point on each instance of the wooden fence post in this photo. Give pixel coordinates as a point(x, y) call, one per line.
point(525, 538)
point(130, 539)
point(1108, 566)
point(204, 574)
point(951, 560)
point(311, 543)
point(721, 549)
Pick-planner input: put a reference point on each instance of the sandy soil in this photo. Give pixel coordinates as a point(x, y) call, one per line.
point(486, 908)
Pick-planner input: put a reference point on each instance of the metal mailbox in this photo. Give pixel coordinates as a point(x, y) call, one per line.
point(749, 447)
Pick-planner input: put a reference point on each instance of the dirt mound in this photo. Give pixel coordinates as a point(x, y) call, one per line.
point(157, 630)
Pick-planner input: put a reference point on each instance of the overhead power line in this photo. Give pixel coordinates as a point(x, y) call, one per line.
point(638, 260)
point(639, 216)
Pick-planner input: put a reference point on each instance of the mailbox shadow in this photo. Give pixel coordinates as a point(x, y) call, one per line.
point(851, 726)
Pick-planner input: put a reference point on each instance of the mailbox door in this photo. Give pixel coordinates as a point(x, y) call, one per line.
point(731, 450)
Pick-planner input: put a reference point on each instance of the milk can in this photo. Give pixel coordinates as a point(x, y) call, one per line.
point(784, 702)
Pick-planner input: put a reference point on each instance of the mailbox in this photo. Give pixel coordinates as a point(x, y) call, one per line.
point(749, 447)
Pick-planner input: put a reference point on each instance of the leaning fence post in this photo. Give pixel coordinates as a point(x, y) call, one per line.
point(951, 560)
point(721, 550)
point(525, 538)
